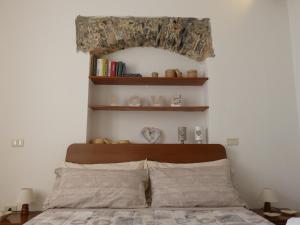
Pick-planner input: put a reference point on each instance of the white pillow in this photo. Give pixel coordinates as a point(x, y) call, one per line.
point(87, 188)
point(133, 165)
point(155, 164)
point(205, 186)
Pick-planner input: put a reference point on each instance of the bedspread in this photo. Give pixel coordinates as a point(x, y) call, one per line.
point(150, 216)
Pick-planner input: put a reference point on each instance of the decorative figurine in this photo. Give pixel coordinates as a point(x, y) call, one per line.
point(157, 100)
point(134, 101)
point(181, 134)
point(154, 74)
point(199, 135)
point(178, 73)
point(151, 134)
point(177, 101)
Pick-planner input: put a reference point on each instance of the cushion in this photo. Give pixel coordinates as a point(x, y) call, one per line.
point(208, 186)
point(86, 188)
point(155, 164)
point(133, 165)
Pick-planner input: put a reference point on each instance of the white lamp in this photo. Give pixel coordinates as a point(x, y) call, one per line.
point(25, 198)
point(268, 196)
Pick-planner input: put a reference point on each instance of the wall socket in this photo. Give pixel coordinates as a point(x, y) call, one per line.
point(17, 143)
point(232, 141)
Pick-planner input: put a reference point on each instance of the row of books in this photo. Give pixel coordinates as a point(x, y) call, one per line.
point(107, 68)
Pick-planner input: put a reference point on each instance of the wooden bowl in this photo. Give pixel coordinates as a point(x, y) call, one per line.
point(97, 141)
point(124, 142)
point(171, 73)
point(192, 73)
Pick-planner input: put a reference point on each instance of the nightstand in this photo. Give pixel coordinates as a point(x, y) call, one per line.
point(279, 220)
point(16, 219)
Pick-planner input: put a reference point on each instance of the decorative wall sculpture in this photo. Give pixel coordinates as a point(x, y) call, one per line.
point(190, 37)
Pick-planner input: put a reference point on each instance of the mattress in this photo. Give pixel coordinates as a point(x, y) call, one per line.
point(149, 216)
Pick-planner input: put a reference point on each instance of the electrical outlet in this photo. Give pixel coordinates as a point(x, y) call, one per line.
point(232, 141)
point(10, 208)
point(17, 143)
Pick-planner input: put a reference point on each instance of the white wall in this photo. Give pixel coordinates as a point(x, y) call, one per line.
point(44, 88)
point(294, 16)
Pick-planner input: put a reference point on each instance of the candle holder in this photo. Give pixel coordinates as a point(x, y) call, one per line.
point(181, 134)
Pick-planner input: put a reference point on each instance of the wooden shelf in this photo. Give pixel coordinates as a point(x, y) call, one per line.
point(182, 81)
point(149, 108)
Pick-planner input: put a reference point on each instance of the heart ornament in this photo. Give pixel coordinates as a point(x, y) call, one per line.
point(151, 134)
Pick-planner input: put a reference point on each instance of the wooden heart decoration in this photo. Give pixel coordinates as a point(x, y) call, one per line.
point(151, 134)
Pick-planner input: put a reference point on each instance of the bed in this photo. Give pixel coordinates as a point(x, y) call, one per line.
point(91, 154)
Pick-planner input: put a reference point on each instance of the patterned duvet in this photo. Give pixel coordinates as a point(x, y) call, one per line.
point(220, 216)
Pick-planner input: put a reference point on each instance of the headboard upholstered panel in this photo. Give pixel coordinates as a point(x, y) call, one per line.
point(115, 153)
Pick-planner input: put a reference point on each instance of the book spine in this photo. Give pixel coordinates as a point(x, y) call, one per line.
point(119, 70)
point(98, 67)
point(95, 59)
point(93, 66)
point(113, 69)
point(108, 68)
point(103, 67)
point(123, 68)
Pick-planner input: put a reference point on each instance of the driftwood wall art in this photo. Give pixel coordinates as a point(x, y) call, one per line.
point(190, 37)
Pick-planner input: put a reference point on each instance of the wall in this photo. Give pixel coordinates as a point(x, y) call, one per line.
point(293, 8)
point(44, 89)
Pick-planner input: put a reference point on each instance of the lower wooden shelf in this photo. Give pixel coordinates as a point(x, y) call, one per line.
point(149, 108)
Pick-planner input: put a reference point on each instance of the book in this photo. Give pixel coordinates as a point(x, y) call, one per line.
point(119, 69)
point(113, 68)
point(98, 67)
point(123, 69)
point(108, 68)
point(116, 69)
point(104, 67)
point(101, 67)
point(94, 65)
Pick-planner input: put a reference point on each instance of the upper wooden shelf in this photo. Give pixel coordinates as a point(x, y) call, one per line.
point(182, 81)
point(149, 108)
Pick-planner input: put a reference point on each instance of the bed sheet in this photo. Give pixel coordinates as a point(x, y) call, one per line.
point(149, 216)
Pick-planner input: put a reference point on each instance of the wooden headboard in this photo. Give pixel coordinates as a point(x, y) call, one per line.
point(115, 153)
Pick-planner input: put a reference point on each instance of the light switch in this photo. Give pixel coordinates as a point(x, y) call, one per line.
point(17, 143)
point(232, 141)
